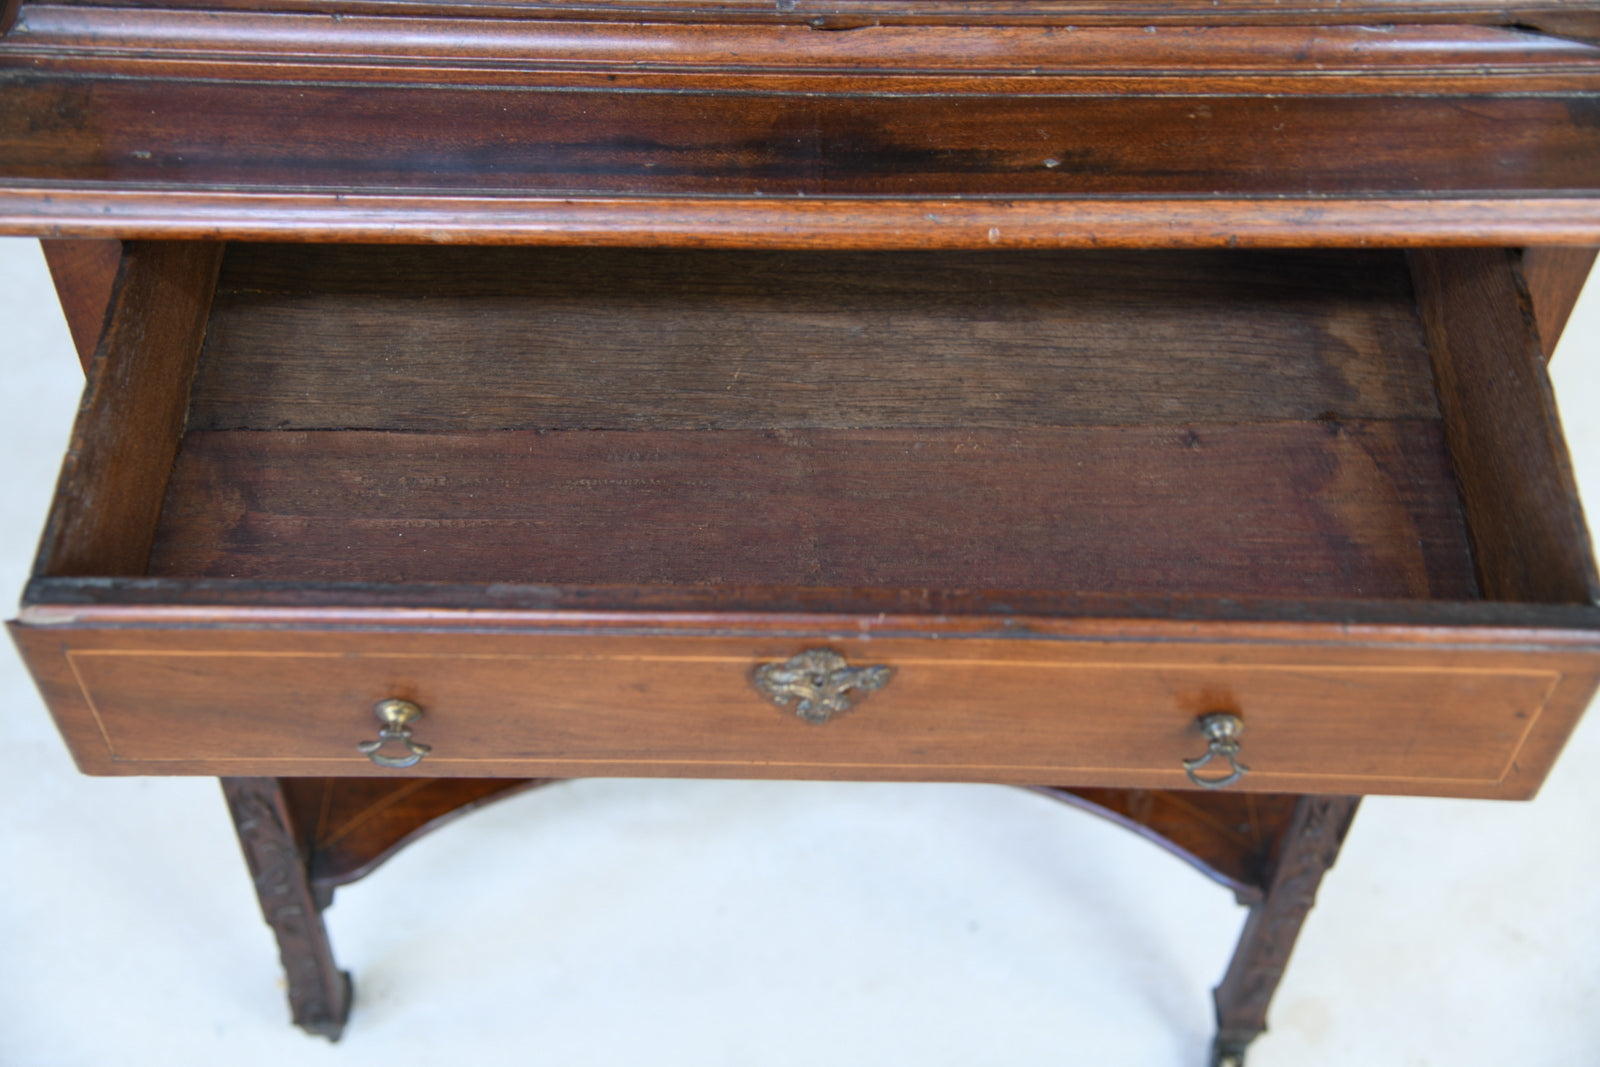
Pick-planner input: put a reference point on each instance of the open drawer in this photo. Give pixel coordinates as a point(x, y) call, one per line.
point(1033, 515)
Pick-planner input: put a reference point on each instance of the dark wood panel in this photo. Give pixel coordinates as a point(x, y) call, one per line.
point(1573, 22)
point(319, 993)
point(1306, 849)
point(122, 447)
point(1555, 278)
point(452, 339)
point(266, 136)
point(154, 122)
point(1292, 509)
point(1228, 836)
point(351, 825)
point(1518, 494)
point(84, 273)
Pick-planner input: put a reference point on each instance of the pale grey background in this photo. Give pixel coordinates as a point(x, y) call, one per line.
point(756, 924)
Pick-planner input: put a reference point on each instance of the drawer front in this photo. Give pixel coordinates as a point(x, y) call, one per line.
point(1322, 720)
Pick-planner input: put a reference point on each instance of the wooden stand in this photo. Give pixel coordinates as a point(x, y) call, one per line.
point(1304, 851)
point(269, 830)
point(304, 837)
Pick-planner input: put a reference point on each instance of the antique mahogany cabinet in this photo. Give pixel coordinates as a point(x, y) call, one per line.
point(1141, 401)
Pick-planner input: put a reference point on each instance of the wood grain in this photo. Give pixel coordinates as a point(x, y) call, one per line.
point(1518, 494)
point(1229, 837)
point(732, 222)
point(274, 851)
point(480, 339)
point(351, 825)
point(84, 273)
point(1081, 12)
point(1306, 849)
point(936, 613)
point(1555, 278)
point(1002, 711)
point(585, 142)
point(122, 447)
point(1291, 509)
point(164, 122)
point(177, 687)
point(152, 39)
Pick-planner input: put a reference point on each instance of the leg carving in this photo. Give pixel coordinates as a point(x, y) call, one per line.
point(1306, 850)
point(275, 851)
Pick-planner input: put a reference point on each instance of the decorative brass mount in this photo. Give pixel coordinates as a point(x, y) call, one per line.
point(820, 680)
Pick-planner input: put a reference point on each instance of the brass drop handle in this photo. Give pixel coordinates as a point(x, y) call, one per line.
point(1221, 730)
point(820, 680)
point(396, 717)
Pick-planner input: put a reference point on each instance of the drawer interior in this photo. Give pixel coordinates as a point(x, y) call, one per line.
point(573, 501)
point(1278, 424)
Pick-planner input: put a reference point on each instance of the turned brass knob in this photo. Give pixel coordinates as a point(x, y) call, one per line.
point(395, 717)
point(1221, 730)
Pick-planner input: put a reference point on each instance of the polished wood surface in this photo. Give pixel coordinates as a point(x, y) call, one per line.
point(843, 13)
point(1555, 277)
point(348, 826)
point(742, 223)
point(1304, 851)
point(1128, 123)
point(1134, 54)
point(84, 274)
point(271, 835)
point(696, 143)
point(1230, 837)
point(1460, 721)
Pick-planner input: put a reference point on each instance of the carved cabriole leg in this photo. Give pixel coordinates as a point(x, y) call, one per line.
point(1306, 851)
point(275, 850)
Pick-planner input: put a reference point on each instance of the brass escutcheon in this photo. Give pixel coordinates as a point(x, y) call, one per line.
point(396, 717)
point(820, 680)
point(1221, 730)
